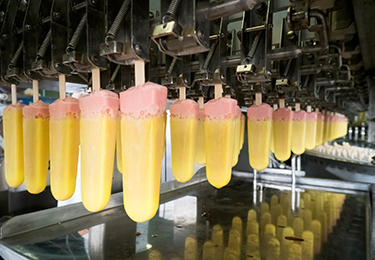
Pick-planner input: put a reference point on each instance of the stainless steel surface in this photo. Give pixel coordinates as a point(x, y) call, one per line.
point(187, 211)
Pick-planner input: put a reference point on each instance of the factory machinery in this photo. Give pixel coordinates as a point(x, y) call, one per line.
point(297, 55)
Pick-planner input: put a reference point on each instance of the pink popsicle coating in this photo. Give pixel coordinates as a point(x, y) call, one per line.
point(221, 108)
point(283, 114)
point(146, 100)
point(37, 110)
point(184, 108)
point(299, 115)
point(10, 107)
point(262, 112)
point(99, 103)
point(320, 117)
point(63, 107)
point(311, 116)
point(201, 114)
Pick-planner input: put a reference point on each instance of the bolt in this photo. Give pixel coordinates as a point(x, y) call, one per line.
point(291, 35)
point(93, 2)
point(137, 48)
point(57, 15)
point(28, 27)
point(185, 81)
point(5, 36)
point(57, 65)
point(222, 77)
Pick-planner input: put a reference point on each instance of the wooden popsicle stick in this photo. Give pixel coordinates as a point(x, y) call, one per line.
point(258, 99)
point(275, 106)
point(13, 91)
point(298, 107)
point(35, 91)
point(281, 103)
point(139, 72)
point(182, 93)
point(62, 86)
point(317, 110)
point(308, 109)
point(95, 73)
point(201, 102)
point(218, 90)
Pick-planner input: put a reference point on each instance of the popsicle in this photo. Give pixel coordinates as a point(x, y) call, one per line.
point(143, 143)
point(98, 126)
point(273, 249)
point(200, 152)
point(191, 249)
point(259, 126)
point(298, 227)
point(319, 127)
point(237, 136)
point(119, 146)
point(316, 230)
point(307, 245)
point(295, 252)
point(298, 130)
point(219, 127)
point(36, 143)
point(64, 144)
point(217, 239)
point(183, 124)
point(311, 128)
point(272, 142)
point(282, 131)
point(242, 133)
point(252, 247)
point(13, 141)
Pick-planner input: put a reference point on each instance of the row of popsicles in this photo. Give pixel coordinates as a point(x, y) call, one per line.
point(283, 131)
point(39, 133)
point(273, 236)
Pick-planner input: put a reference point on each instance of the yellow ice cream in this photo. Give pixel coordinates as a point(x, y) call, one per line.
point(200, 152)
point(259, 126)
point(282, 133)
point(64, 146)
point(13, 145)
point(298, 132)
point(319, 129)
point(219, 129)
point(98, 125)
point(143, 144)
point(119, 146)
point(183, 124)
point(237, 136)
point(36, 146)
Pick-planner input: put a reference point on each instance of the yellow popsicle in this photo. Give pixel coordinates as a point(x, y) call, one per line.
point(311, 129)
point(143, 144)
point(259, 126)
point(183, 124)
point(242, 133)
point(119, 146)
point(200, 152)
point(299, 132)
point(237, 136)
point(64, 146)
point(13, 145)
point(282, 133)
point(98, 126)
point(319, 129)
point(191, 249)
point(36, 146)
point(219, 127)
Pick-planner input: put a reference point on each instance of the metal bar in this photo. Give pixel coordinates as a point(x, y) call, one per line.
point(16, 55)
point(77, 34)
point(221, 8)
point(79, 6)
point(255, 28)
point(255, 187)
point(293, 195)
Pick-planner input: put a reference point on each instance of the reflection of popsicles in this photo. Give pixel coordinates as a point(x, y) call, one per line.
point(183, 136)
point(307, 245)
point(295, 252)
point(282, 131)
point(298, 130)
point(143, 143)
point(285, 243)
point(273, 249)
point(281, 224)
point(36, 143)
point(191, 249)
point(259, 125)
point(64, 146)
point(155, 255)
point(217, 239)
point(298, 227)
point(200, 153)
point(252, 247)
point(98, 126)
point(208, 251)
point(13, 142)
point(219, 127)
point(316, 230)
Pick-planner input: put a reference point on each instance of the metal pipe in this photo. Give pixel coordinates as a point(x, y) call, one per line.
point(293, 197)
point(221, 8)
point(255, 188)
point(296, 52)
